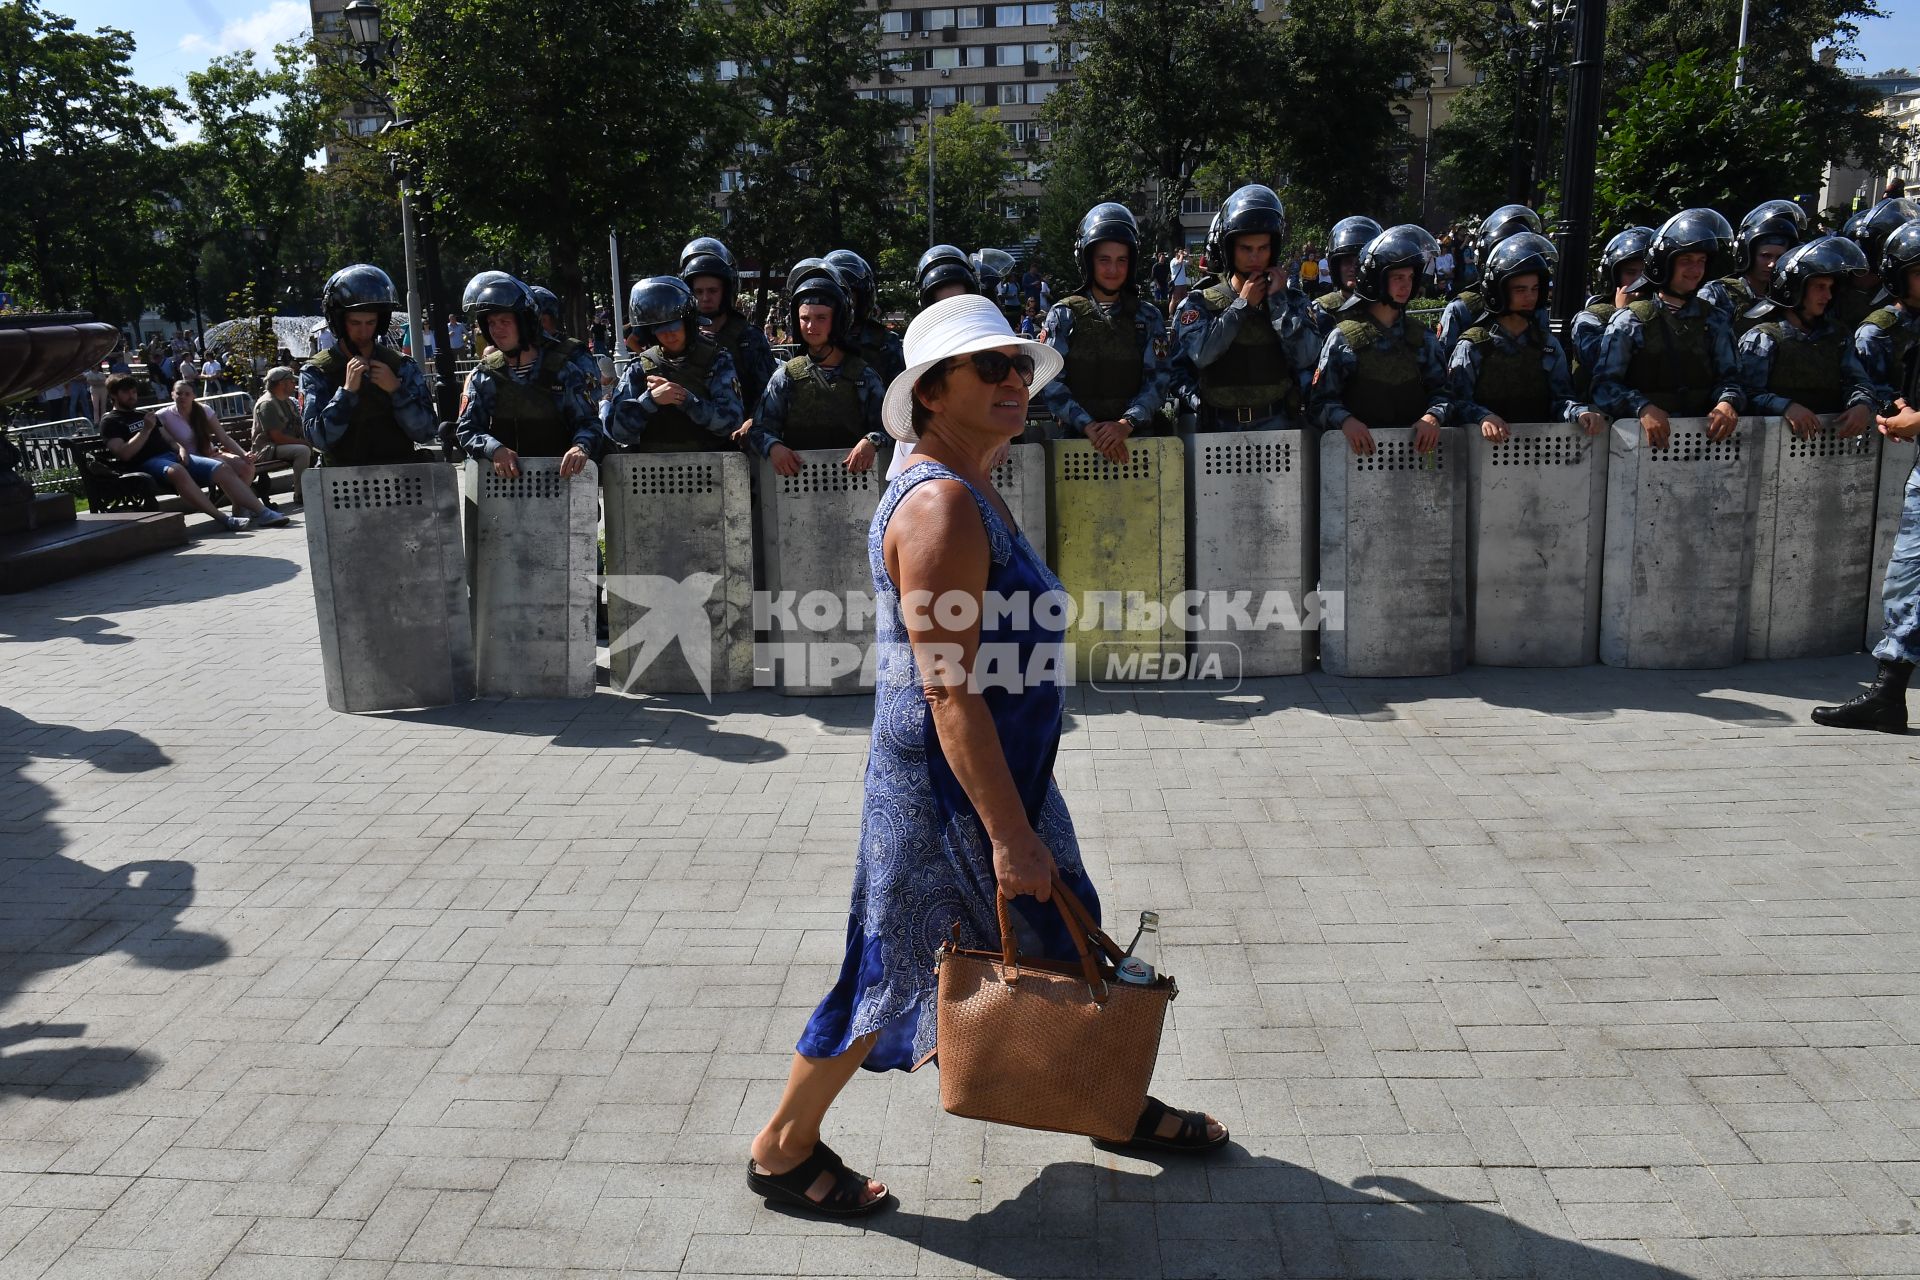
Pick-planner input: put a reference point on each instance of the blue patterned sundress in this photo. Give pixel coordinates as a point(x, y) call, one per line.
point(925, 863)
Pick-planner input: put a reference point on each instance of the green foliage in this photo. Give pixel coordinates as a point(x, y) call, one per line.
point(818, 166)
point(1158, 86)
point(1082, 169)
point(972, 167)
point(537, 126)
point(83, 165)
point(1684, 136)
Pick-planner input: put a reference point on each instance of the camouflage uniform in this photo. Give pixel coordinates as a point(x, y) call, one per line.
point(882, 348)
point(808, 405)
point(370, 426)
point(540, 411)
point(1883, 341)
point(1212, 324)
point(1108, 391)
point(753, 358)
point(1529, 380)
point(1583, 333)
point(1459, 316)
point(1406, 349)
point(1782, 364)
point(705, 423)
point(1696, 349)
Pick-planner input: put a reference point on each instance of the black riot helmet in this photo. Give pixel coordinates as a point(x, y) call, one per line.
point(856, 277)
point(1252, 210)
point(1518, 255)
point(545, 303)
point(1689, 231)
point(1780, 222)
point(1834, 256)
point(1507, 220)
point(492, 291)
point(1406, 245)
point(1106, 222)
point(1622, 249)
point(1870, 229)
point(1348, 237)
point(706, 256)
point(819, 281)
point(1899, 254)
point(993, 266)
point(360, 287)
point(940, 266)
point(661, 300)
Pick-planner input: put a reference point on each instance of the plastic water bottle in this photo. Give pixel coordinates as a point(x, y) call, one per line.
point(1138, 965)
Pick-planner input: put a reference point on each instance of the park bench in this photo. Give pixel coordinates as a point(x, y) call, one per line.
point(110, 485)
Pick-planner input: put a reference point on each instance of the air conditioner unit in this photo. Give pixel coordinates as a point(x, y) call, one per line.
point(945, 72)
point(906, 35)
point(1442, 46)
point(925, 34)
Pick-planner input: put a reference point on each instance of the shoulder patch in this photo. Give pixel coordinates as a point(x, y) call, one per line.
point(1190, 315)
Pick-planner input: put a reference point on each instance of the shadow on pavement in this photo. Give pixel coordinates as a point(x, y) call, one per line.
point(1245, 1217)
point(680, 722)
point(36, 616)
point(56, 912)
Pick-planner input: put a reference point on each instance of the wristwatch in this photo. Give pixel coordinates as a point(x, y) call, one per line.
point(876, 439)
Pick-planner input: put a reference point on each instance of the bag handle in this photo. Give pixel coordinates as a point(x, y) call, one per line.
point(1080, 929)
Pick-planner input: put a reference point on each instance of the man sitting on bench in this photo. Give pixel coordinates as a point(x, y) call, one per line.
point(140, 444)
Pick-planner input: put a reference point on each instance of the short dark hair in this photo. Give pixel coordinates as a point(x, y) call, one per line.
point(118, 382)
point(933, 382)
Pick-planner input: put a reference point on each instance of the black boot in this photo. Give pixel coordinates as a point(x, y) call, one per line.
point(1882, 706)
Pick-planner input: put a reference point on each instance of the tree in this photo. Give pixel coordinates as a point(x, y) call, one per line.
point(1684, 136)
point(537, 130)
point(1162, 84)
point(1335, 137)
point(972, 167)
point(818, 166)
point(83, 165)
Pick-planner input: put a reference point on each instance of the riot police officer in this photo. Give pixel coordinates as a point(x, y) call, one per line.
point(1380, 367)
point(547, 306)
point(1621, 266)
point(880, 345)
point(1668, 353)
point(707, 268)
point(1888, 340)
point(1796, 362)
point(1247, 336)
point(830, 397)
point(1869, 229)
point(680, 395)
point(524, 399)
point(364, 403)
point(1509, 367)
point(1465, 309)
point(1344, 243)
point(1114, 383)
point(1768, 231)
point(995, 267)
point(944, 272)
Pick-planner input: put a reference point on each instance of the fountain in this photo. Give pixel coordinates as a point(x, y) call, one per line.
point(42, 539)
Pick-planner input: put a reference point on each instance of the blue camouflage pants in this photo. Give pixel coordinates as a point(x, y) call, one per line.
point(1901, 642)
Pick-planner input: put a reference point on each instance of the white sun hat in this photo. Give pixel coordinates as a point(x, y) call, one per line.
point(957, 326)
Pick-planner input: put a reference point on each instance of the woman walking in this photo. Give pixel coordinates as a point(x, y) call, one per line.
point(960, 802)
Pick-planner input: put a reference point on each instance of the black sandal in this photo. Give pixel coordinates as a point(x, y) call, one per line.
point(1190, 1139)
point(846, 1199)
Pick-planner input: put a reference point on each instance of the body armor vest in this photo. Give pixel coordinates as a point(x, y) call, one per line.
point(1513, 383)
point(732, 328)
point(1674, 365)
point(823, 414)
point(670, 430)
point(1103, 369)
point(1254, 371)
point(1582, 375)
point(1741, 294)
point(1386, 389)
point(526, 415)
point(1903, 370)
point(1807, 370)
point(373, 436)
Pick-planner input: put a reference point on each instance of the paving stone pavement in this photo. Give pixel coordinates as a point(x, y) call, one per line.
point(1558, 974)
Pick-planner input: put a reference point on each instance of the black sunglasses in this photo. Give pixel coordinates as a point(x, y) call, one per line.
point(991, 366)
